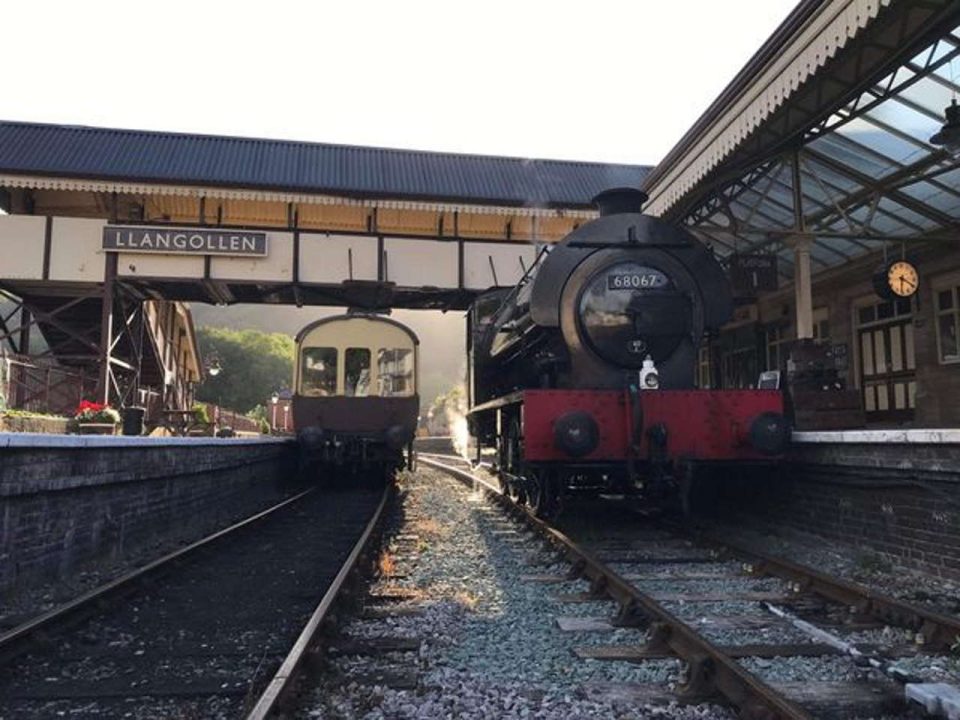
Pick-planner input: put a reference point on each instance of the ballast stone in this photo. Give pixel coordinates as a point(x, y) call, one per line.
point(936, 698)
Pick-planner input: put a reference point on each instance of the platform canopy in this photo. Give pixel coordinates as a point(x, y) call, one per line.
point(826, 134)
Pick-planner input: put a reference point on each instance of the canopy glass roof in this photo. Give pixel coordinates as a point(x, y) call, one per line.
point(866, 176)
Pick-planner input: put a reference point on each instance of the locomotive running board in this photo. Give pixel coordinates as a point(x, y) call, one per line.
point(511, 399)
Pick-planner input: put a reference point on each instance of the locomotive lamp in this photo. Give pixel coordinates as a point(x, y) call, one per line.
point(949, 136)
point(649, 377)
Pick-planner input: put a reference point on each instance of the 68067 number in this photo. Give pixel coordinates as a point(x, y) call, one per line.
point(635, 281)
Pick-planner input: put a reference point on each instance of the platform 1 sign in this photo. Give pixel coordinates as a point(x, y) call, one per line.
point(752, 273)
point(184, 241)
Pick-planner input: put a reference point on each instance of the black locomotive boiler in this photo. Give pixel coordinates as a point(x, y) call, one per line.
point(582, 376)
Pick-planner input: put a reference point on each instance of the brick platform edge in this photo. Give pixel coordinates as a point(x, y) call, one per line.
point(896, 501)
point(62, 508)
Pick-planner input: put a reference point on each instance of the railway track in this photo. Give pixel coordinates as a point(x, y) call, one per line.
point(784, 615)
point(218, 629)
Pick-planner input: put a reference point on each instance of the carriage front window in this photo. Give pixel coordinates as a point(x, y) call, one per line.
point(395, 372)
point(319, 371)
point(356, 372)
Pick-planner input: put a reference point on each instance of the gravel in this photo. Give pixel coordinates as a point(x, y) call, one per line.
point(490, 644)
point(846, 561)
point(807, 669)
point(937, 668)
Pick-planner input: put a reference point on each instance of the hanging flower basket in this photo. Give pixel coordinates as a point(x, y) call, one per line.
point(96, 419)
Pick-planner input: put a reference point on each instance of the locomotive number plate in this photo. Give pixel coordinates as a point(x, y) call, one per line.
point(636, 281)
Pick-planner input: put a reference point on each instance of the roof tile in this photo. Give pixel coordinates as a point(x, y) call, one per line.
point(133, 155)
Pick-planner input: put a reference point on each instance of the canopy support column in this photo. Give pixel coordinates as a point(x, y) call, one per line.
point(802, 286)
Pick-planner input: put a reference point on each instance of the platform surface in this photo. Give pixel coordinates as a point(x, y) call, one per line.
point(41, 440)
point(919, 436)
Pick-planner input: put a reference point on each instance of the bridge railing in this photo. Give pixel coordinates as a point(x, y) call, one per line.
point(31, 384)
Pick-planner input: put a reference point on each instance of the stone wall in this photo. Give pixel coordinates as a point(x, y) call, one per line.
point(899, 502)
point(34, 424)
point(66, 502)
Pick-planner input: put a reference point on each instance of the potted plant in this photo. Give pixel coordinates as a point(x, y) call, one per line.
point(96, 419)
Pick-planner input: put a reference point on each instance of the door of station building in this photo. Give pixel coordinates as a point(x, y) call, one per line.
point(887, 361)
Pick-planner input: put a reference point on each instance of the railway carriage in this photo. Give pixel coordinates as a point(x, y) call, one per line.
point(355, 402)
point(582, 376)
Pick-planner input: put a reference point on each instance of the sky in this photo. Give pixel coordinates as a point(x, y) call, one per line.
point(606, 81)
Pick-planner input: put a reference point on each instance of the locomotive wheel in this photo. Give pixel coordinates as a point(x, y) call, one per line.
point(699, 490)
point(543, 500)
point(687, 490)
point(515, 492)
point(511, 463)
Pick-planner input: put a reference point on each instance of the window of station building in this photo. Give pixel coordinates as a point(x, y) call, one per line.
point(887, 357)
point(356, 372)
point(318, 371)
point(884, 311)
point(777, 343)
point(821, 325)
point(395, 372)
point(948, 325)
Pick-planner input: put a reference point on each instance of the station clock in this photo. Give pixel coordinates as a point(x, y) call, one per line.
point(896, 279)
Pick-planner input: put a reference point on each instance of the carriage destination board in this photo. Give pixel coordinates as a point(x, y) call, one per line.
point(184, 241)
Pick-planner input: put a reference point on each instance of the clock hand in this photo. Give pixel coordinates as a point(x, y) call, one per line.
point(910, 284)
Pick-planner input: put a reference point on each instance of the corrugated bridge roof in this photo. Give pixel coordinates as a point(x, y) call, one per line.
point(343, 170)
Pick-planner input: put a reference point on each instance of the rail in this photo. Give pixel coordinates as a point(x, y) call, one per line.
point(273, 696)
point(20, 638)
point(710, 670)
point(934, 631)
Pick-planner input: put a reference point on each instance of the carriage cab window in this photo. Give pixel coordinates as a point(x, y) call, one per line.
point(395, 372)
point(319, 371)
point(356, 372)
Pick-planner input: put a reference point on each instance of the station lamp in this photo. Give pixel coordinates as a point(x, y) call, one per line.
point(949, 135)
point(213, 369)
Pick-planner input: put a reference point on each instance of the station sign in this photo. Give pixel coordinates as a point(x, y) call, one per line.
point(184, 241)
point(752, 273)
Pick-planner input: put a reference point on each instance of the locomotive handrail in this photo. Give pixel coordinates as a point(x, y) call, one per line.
point(523, 279)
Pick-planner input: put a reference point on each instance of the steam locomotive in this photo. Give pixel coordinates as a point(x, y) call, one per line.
point(581, 378)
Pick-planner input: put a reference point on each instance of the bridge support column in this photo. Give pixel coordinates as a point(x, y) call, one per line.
point(105, 376)
point(21, 393)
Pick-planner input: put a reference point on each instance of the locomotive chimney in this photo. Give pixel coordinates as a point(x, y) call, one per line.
point(620, 200)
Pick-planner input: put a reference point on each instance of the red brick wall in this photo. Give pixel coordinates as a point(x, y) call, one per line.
point(62, 509)
point(895, 501)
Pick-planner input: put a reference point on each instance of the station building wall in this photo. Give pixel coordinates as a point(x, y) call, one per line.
point(839, 296)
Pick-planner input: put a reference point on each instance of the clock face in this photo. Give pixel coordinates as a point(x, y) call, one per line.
point(903, 279)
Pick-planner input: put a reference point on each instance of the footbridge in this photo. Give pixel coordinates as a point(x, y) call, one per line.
point(101, 221)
